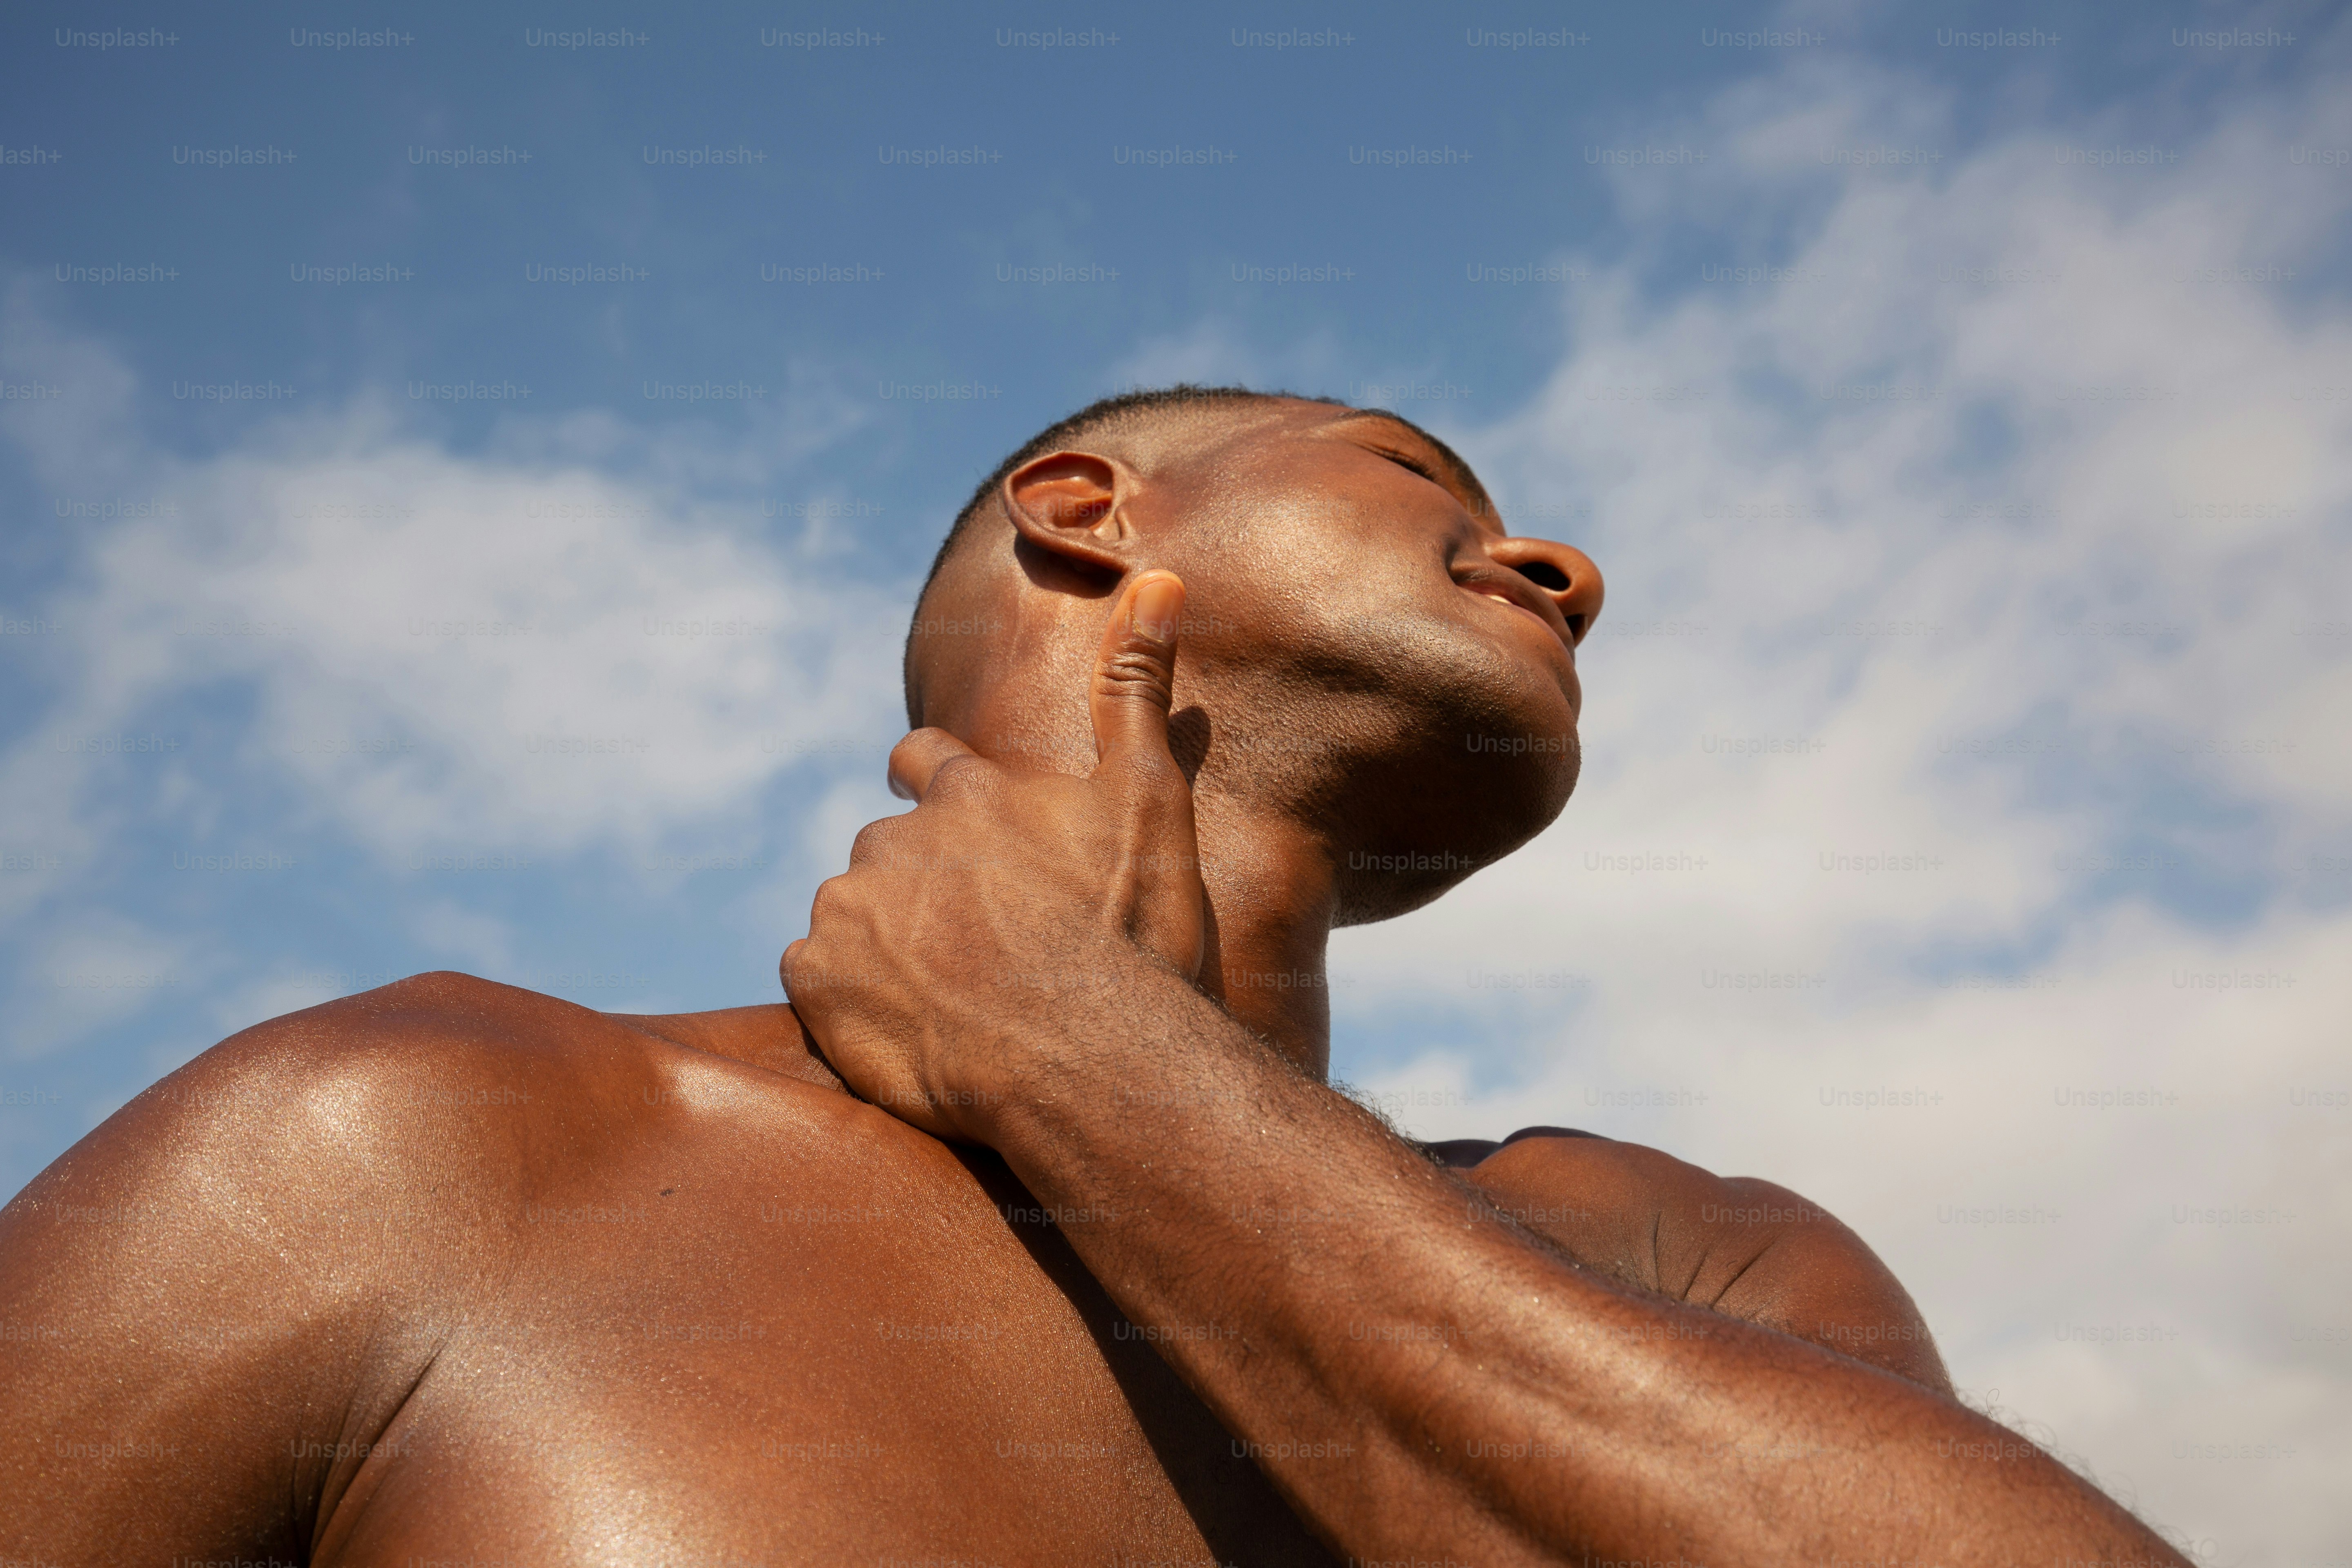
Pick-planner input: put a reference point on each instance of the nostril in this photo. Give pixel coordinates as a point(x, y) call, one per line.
point(1544, 572)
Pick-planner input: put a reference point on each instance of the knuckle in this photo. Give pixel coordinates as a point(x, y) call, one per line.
point(834, 897)
point(957, 778)
point(1136, 675)
point(911, 747)
point(801, 961)
point(872, 842)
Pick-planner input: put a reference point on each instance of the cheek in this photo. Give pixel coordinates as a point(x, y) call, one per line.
point(1256, 603)
point(1328, 540)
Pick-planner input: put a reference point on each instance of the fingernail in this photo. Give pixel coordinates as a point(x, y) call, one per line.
point(1156, 603)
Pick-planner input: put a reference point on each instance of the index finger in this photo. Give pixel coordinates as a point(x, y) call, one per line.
point(916, 760)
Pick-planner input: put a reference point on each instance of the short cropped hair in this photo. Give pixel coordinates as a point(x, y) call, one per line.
point(1114, 410)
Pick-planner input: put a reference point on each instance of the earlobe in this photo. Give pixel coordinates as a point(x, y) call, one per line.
point(1073, 504)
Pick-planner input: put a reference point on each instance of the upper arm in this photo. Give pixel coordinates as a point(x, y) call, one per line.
point(202, 1302)
point(1743, 1246)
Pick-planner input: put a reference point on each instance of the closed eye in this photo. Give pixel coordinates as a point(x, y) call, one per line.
point(1401, 461)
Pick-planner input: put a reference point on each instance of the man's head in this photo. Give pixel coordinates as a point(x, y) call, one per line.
point(1364, 651)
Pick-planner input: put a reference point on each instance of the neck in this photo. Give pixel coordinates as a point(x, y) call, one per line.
point(1270, 881)
point(1270, 900)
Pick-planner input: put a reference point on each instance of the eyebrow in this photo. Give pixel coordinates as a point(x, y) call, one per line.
point(1469, 491)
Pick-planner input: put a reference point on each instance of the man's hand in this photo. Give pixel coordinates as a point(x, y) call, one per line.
point(931, 955)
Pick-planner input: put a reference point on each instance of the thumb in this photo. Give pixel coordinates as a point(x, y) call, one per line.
point(1135, 675)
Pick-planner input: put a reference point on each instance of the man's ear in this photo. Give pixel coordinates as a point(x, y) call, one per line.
point(1075, 505)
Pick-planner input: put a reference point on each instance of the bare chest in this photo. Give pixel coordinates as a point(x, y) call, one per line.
point(870, 1371)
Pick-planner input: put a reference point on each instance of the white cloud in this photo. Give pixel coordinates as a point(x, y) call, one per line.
point(341, 630)
point(92, 970)
point(483, 944)
point(515, 651)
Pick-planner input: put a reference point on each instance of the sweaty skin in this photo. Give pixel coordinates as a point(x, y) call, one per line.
point(452, 1271)
point(1029, 1233)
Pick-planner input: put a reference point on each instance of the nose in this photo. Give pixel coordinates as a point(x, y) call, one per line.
point(1562, 570)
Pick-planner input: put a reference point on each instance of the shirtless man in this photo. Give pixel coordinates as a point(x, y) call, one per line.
point(1029, 1233)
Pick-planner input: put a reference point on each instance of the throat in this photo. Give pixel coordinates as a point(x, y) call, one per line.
point(1270, 889)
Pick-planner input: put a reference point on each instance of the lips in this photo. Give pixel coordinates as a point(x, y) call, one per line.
point(1520, 594)
point(1502, 598)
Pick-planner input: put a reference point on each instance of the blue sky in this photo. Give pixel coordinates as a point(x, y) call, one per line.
point(1957, 400)
point(1522, 122)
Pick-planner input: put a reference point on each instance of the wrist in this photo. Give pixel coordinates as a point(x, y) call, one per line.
point(1054, 1036)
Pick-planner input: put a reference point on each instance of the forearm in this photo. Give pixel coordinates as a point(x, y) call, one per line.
point(1420, 1376)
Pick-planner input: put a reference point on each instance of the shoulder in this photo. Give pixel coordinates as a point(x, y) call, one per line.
point(483, 1085)
point(368, 1077)
point(308, 1126)
point(1745, 1246)
point(446, 1040)
point(423, 1104)
point(1626, 1209)
point(279, 1233)
point(263, 1233)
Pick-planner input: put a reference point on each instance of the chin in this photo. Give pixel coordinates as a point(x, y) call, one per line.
point(1460, 747)
point(1511, 753)
point(1464, 810)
